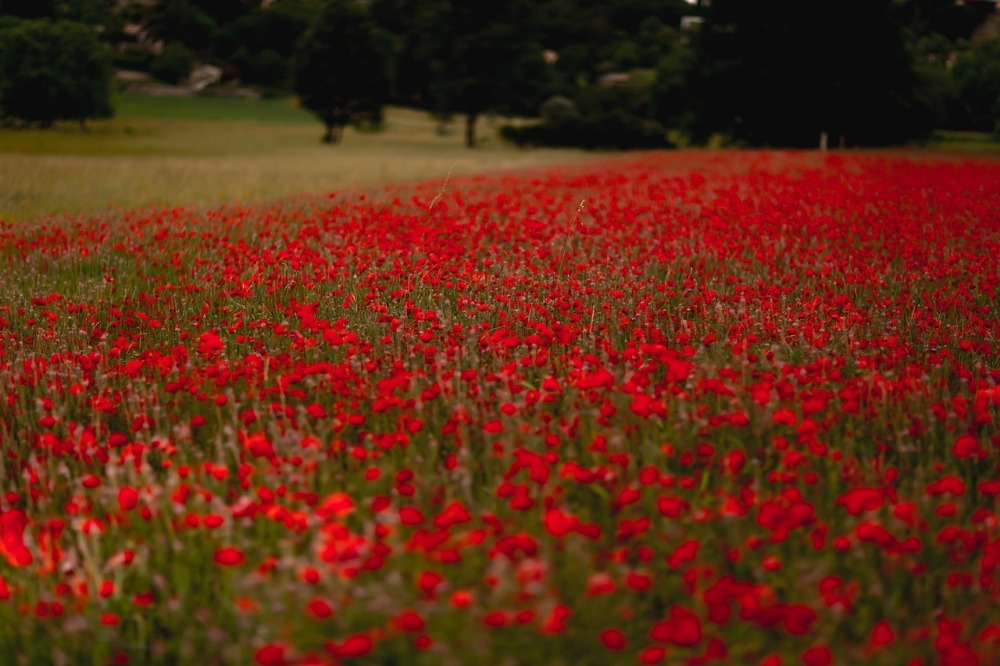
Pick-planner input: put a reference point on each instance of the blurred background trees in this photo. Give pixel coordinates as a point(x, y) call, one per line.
point(340, 69)
point(614, 73)
point(781, 72)
point(52, 70)
point(977, 79)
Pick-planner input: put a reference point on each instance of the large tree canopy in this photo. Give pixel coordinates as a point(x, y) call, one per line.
point(772, 72)
point(53, 71)
point(341, 69)
point(484, 58)
point(977, 74)
point(782, 71)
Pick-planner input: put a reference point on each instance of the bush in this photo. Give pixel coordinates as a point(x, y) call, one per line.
point(542, 134)
point(137, 62)
point(605, 116)
point(595, 135)
point(266, 68)
point(173, 65)
point(936, 98)
point(559, 111)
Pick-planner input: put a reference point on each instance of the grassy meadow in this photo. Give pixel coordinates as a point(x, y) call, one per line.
point(203, 150)
point(976, 143)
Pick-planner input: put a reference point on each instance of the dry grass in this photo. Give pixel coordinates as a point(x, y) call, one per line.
point(232, 152)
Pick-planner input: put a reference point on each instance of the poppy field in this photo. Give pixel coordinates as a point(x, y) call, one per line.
point(680, 408)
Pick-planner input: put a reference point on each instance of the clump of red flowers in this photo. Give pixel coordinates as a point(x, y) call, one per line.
point(734, 408)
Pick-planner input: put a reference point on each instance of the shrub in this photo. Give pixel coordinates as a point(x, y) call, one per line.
point(173, 65)
point(559, 110)
point(139, 62)
point(618, 115)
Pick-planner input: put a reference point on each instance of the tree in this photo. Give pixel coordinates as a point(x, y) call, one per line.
point(410, 27)
point(977, 74)
point(594, 37)
point(180, 21)
point(277, 27)
point(260, 43)
point(28, 9)
point(101, 15)
point(340, 69)
point(948, 18)
point(672, 104)
point(53, 71)
point(779, 73)
point(483, 58)
point(226, 11)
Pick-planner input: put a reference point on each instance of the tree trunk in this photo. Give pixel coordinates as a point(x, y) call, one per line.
point(334, 133)
point(470, 130)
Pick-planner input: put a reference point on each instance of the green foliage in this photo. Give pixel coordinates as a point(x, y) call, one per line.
point(644, 49)
point(101, 14)
point(173, 65)
point(410, 29)
point(977, 75)
point(594, 37)
point(936, 96)
point(559, 111)
point(340, 71)
point(781, 73)
point(615, 115)
point(269, 69)
point(138, 62)
point(484, 58)
point(53, 71)
point(672, 103)
point(775, 73)
point(225, 11)
point(621, 115)
point(277, 27)
point(181, 21)
point(950, 19)
point(932, 49)
point(28, 9)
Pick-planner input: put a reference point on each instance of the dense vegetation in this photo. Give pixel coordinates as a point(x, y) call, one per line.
point(621, 73)
point(735, 408)
point(344, 32)
point(52, 71)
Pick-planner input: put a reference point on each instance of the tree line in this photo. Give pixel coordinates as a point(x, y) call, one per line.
point(598, 73)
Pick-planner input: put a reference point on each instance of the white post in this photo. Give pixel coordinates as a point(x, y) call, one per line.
point(823, 139)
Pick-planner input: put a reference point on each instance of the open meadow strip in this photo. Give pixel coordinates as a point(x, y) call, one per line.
point(678, 408)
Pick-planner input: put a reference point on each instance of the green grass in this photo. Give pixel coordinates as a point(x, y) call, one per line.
point(973, 142)
point(173, 151)
point(284, 110)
